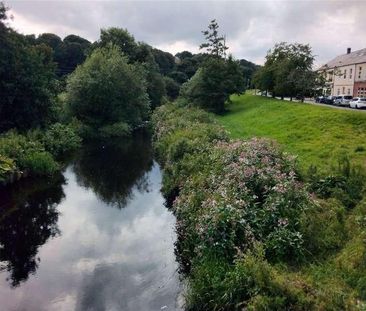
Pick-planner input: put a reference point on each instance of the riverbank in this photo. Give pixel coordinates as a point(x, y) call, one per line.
point(250, 232)
point(36, 152)
point(317, 135)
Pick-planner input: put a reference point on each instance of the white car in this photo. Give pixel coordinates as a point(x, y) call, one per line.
point(358, 102)
point(343, 100)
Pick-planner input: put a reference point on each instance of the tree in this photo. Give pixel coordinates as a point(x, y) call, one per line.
point(217, 78)
point(137, 53)
point(213, 83)
point(164, 60)
point(288, 70)
point(50, 39)
point(107, 94)
point(121, 38)
point(27, 84)
point(215, 44)
point(67, 53)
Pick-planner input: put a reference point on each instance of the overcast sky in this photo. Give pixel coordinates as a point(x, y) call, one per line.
point(251, 27)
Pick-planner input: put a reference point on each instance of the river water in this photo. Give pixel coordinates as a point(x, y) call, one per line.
point(96, 237)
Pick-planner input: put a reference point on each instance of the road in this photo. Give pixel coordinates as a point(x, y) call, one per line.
point(312, 102)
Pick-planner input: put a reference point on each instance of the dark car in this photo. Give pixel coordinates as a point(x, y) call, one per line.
point(300, 97)
point(321, 99)
point(330, 100)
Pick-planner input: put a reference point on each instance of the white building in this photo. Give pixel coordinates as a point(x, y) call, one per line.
point(346, 74)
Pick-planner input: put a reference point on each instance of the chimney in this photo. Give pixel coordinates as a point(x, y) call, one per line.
point(348, 50)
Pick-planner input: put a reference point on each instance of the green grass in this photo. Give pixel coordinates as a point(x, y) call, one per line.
point(317, 135)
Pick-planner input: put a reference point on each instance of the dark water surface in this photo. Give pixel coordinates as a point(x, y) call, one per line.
point(96, 237)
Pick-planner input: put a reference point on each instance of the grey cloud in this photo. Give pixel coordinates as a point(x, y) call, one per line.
point(252, 27)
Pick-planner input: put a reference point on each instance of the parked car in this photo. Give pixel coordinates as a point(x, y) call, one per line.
point(329, 100)
point(320, 99)
point(358, 102)
point(299, 97)
point(343, 100)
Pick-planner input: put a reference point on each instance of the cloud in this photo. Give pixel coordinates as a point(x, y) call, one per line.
point(252, 27)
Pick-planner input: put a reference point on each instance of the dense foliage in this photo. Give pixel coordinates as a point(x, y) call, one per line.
point(107, 94)
point(67, 53)
point(217, 77)
point(26, 80)
point(35, 152)
point(247, 228)
point(211, 86)
point(288, 71)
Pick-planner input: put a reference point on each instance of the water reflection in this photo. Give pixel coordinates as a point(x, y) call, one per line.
point(112, 168)
point(104, 258)
point(28, 219)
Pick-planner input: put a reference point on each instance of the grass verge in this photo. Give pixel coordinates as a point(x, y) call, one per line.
point(317, 135)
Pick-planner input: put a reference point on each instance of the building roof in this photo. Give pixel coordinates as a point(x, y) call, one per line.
point(355, 57)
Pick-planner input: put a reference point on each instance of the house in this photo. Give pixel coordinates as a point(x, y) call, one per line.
point(346, 74)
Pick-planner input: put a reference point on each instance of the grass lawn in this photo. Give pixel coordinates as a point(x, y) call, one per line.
point(317, 135)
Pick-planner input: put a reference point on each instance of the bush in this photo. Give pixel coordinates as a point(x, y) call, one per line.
point(33, 153)
point(60, 139)
point(40, 163)
point(246, 192)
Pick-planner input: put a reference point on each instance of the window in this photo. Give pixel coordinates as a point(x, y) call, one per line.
point(350, 73)
point(343, 90)
point(349, 92)
point(345, 74)
point(338, 91)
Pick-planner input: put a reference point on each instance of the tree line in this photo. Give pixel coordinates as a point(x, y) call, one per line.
point(288, 71)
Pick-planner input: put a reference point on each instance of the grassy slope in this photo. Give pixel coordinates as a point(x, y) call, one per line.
point(318, 135)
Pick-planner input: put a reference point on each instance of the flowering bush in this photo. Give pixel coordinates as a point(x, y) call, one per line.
point(250, 193)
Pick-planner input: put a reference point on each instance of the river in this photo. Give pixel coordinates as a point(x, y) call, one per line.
point(96, 237)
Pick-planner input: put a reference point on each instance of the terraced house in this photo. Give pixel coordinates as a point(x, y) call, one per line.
point(346, 74)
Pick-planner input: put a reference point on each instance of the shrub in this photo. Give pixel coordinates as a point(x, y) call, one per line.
point(60, 139)
point(26, 153)
point(247, 192)
point(40, 163)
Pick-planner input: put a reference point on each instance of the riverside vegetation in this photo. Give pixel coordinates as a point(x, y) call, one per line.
point(256, 229)
point(252, 233)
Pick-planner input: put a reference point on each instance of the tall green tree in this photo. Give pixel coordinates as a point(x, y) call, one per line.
point(288, 70)
point(215, 43)
point(137, 53)
point(107, 94)
point(217, 78)
point(213, 83)
point(27, 80)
